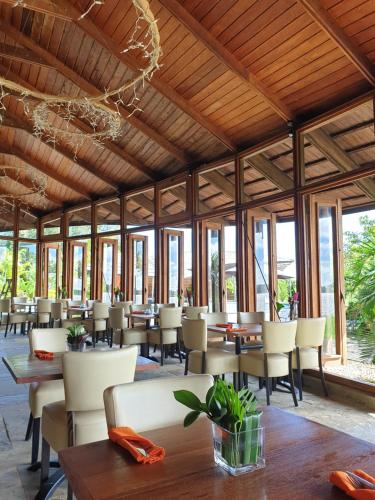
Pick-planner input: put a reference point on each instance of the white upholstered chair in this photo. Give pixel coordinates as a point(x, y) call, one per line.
point(166, 333)
point(193, 312)
point(42, 393)
point(57, 313)
point(275, 359)
point(98, 322)
point(214, 340)
point(250, 317)
point(42, 316)
point(200, 358)
point(80, 419)
point(122, 335)
point(150, 404)
point(308, 352)
point(12, 318)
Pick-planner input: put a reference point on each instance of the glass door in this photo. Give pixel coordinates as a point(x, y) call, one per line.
point(108, 250)
point(173, 257)
point(213, 252)
point(52, 270)
point(137, 269)
point(78, 271)
point(262, 265)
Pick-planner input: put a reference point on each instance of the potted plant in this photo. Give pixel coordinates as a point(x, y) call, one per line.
point(189, 295)
point(237, 434)
point(76, 337)
point(119, 296)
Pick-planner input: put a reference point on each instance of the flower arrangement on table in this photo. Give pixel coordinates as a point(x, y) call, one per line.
point(238, 437)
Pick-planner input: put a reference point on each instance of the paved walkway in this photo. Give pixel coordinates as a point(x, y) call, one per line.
point(16, 483)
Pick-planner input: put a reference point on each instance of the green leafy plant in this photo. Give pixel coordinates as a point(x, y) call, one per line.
point(76, 334)
point(223, 405)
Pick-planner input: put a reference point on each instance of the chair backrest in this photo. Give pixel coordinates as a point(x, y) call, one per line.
point(100, 310)
point(74, 303)
point(116, 318)
point(194, 333)
point(310, 332)
point(44, 305)
point(161, 306)
point(88, 374)
point(125, 306)
point(56, 310)
point(250, 317)
point(139, 307)
point(193, 312)
point(4, 306)
point(150, 404)
point(214, 317)
point(170, 317)
point(279, 337)
point(48, 339)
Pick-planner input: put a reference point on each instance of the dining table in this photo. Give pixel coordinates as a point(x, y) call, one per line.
point(244, 330)
point(83, 310)
point(27, 305)
point(145, 317)
point(27, 368)
point(299, 455)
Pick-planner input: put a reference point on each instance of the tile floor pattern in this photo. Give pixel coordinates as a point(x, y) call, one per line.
point(17, 483)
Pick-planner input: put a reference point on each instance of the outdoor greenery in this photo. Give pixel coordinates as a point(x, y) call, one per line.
point(360, 286)
point(26, 269)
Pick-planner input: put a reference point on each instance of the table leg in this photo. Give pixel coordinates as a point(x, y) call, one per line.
point(50, 485)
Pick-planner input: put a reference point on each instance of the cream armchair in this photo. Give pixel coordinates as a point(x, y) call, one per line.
point(215, 341)
point(43, 313)
point(250, 317)
point(199, 358)
point(120, 334)
point(150, 404)
point(98, 322)
point(57, 313)
point(275, 359)
point(80, 419)
point(193, 312)
point(43, 393)
point(308, 352)
point(12, 318)
point(166, 333)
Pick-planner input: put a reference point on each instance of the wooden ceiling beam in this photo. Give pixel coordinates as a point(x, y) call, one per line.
point(81, 125)
point(68, 183)
point(226, 57)
point(88, 88)
point(90, 28)
point(336, 155)
point(50, 7)
point(271, 172)
point(342, 40)
point(21, 55)
point(216, 178)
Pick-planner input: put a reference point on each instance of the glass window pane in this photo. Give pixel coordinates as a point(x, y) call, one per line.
point(173, 269)
point(138, 253)
point(79, 222)
point(6, 265)
point(107, 272)
point(140, 209)
point(230, 270)
point(173, 200)
point(262, 281)
point(7, 216)
point(51, 227)
point(217, 188)
point(213, 269)
point(108, 216)
point(26, 269)
point(77, 273)
point(27, 225)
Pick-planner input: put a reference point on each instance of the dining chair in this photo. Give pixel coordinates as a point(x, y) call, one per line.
point(125, 304)
point(308, 351)
point(150, 404)
point(166, 333)
point(193, 312)
point(4, 310)
point(80, 419)
point(250, 317)
point(215, 340)
point(74, 303)
point(275, 359)
point(202, 359)
point(13, 318)
point(138, 307)
point(120, 334)
point(98, 323)
point(42, 393)
point(42, 315)
point(19, 308)
point(57, 314)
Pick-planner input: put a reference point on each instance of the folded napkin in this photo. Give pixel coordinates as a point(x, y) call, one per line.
point(138, 312)
point(342, 481)
point(141, 448)
point(224, 325)
point(46, 355)
point(232, 330)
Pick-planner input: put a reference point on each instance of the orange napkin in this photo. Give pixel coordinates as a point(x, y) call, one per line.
point(136, 444)
point(138, 312)
point(46, 355)
point(342, 481)
point(223, 325)
point(231, 330)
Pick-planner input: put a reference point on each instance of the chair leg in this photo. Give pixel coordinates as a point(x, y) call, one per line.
point(299, 374)
point(44, 465)
point(29, 427)
point(186, 364)
point(266, 379)
point(35, 440)
point(161, 354)
point(223, 376)
point(69, 495)
point(6, 328)
point(179, 349)
point(291, 381)
point(321, 372)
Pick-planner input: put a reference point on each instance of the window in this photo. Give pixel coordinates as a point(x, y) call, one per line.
point(26, 269)
point(108, 216)
point(79, 222)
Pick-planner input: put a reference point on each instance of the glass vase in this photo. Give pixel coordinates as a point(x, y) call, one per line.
point(240, 452)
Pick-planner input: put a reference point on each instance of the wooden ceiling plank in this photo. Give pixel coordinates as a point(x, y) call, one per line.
point(50, 7)
point(17, 152)
point(90, 89)
point(271, 172)
point(226, 57)
point(21, 55)
point(338, 157)
point(342, 40)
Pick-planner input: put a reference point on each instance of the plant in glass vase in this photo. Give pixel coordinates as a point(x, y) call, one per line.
point(76, 337)
point(237, 434)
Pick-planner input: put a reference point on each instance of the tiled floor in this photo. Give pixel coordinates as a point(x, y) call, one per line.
point(17, 483)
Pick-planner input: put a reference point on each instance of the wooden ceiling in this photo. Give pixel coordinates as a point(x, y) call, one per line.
point(233, 73)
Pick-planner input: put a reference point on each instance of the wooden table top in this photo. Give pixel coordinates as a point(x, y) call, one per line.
point(25, 368)
point(143, 316)
point(299, 456)
point(252, 330)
